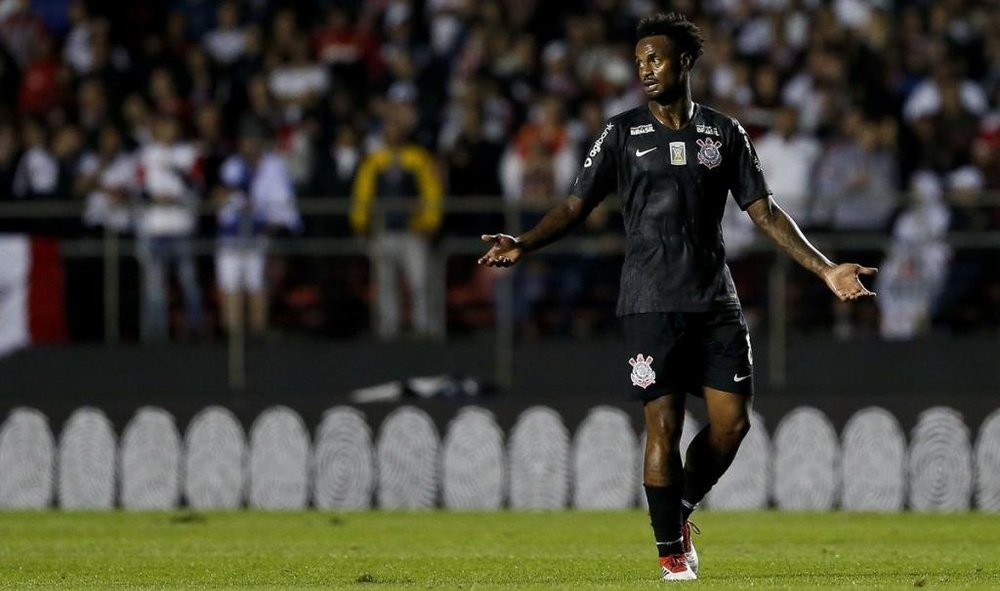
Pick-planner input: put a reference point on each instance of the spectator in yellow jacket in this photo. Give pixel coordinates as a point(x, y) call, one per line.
point(404, 178)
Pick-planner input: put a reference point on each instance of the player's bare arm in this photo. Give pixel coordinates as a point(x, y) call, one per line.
point(843, 280)
point(505, 250)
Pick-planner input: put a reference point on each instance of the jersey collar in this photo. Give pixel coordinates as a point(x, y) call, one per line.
point(695, 111)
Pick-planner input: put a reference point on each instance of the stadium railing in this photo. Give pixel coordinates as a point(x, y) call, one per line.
point(112, 248)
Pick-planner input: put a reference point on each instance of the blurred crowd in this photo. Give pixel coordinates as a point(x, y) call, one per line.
point(145, 111)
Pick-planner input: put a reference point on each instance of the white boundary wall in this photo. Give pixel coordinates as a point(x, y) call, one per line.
point(539, 465)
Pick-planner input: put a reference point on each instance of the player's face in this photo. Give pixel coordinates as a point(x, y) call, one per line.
point(661, 70)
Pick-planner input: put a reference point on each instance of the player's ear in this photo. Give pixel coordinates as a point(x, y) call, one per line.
point(686, 61)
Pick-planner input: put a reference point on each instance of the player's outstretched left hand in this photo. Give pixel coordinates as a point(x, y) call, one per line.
point(504, 250)
point(845, 281)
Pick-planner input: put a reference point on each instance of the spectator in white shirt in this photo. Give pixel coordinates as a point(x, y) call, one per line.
point(540, 160)
point(227, 41)
point(788, 158)
point(77, 46)
point(169, 170)
point(913, 274)
point(855, 181)
point(257, 199)
point(925, 100)
point(107, 180)
point(809, 90)
point(37, 172)
point(300, 81)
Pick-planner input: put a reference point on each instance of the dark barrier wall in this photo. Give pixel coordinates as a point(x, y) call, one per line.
point(569, 376)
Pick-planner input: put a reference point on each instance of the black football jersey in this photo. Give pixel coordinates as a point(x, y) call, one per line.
point(673, 186)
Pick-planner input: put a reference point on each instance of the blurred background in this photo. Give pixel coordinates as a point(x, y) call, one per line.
point(261, 202)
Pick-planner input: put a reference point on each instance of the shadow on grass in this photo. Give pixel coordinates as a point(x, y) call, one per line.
point(188, 517)
point(367, 577)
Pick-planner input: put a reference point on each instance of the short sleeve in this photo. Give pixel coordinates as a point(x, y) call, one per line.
point(746, 175)
point(598, 177)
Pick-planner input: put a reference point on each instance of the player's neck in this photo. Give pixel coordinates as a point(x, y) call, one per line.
point(675, 112)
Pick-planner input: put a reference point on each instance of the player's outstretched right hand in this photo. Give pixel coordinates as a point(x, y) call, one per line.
point(504, 250)
point(845, 281)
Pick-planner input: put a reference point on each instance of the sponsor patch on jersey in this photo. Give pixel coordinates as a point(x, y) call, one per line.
point(641, 129)
point(708, 130)
point(709, 154)
point(746, 141)
point(678, 154)
point(642, 371)
point(597, 147)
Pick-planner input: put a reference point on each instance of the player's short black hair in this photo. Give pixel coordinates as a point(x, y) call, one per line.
point(685, 35)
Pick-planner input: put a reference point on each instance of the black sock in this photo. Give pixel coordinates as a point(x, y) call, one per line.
point(687, 508)
point(707, 461)
point(665, 517)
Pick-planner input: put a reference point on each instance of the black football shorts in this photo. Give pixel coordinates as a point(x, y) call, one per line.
point(683, 351)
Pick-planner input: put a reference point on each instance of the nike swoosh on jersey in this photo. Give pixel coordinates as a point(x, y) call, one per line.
point(640, 153)
point(738, 378)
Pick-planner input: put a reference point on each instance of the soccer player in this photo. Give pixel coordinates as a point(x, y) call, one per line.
point(672, 162)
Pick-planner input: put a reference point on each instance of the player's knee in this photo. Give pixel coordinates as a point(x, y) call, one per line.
point(734, 430)
point(739, 428)
point(664, 417)
point(663, 438)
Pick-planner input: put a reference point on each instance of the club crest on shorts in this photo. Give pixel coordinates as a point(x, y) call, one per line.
point(642, 372)
point(709, 154)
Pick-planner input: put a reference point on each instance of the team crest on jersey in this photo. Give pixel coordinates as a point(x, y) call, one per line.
point(640, 129)
point(642, 371)
point(709, 155)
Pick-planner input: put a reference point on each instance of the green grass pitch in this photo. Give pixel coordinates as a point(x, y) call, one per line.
point(507, 550)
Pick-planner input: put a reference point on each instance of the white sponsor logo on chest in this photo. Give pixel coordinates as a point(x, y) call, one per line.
point(707, 130)
point(678, 154)
point(640, 129)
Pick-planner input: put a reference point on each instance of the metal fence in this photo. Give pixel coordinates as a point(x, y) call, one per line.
point(112, 248)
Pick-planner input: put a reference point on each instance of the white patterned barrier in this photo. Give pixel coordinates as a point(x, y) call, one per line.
point(26, 460)
point(87, 461)
point(806, 461)
point(988, 464)
point(873, 462)
point(343, 461)
point(869, 468)
point(473, 463)
point(215, 462)
point(407, 451)
point(604, 462)
point(539, 460)
point(279, 460)
point(150, 459)
point(940, 462)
